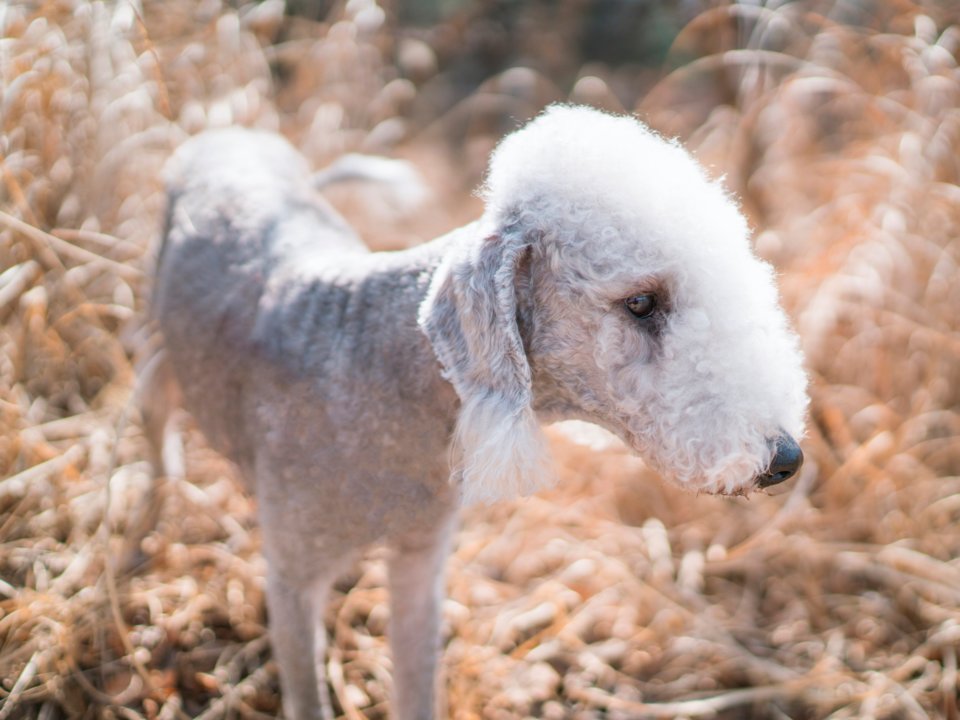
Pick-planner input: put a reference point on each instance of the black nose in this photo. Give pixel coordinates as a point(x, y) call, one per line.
point(787, 459)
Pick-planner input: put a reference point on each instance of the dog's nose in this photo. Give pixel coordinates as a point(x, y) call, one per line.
point(787, 459)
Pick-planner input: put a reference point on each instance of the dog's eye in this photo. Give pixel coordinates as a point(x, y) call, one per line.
point(641, 306)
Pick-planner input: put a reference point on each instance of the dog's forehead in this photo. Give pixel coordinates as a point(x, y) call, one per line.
point(580, 172)
point(575, 152)
point(623, 244)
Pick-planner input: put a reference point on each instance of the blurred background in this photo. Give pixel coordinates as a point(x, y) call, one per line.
point(836, 124)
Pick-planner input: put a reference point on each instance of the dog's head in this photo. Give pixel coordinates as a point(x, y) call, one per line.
point(611, 281)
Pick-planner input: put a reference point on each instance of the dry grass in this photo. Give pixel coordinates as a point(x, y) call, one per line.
point(616, 596)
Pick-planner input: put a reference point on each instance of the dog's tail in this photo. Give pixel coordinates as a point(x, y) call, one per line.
point(403, 183)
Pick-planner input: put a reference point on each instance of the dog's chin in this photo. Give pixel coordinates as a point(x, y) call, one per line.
point(721, 488)
point(738, 480)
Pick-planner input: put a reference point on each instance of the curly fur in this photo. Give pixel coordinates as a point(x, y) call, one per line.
point(470, 317)
point(700, 391)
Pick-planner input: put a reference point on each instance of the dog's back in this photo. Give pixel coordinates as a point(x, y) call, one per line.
point(284, 332)
point(240, 209)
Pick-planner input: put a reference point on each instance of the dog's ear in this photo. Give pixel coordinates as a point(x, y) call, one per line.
point(470, 317)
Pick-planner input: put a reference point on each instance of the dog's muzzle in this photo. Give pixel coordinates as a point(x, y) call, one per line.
point(787, 459)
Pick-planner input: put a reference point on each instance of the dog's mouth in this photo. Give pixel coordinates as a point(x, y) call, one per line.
point(785, 463)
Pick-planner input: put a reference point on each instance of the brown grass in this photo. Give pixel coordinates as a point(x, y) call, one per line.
point(616, 596)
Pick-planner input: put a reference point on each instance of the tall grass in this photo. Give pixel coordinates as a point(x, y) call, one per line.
point(616, 596)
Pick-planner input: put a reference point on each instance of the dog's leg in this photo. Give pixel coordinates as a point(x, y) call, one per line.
point(302, 564)
point(416, 594)
point(298, 638)
point(158, 397)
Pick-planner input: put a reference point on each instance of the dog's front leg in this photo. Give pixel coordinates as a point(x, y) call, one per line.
point(416, 595)
point(301, 567)
point(299, 643)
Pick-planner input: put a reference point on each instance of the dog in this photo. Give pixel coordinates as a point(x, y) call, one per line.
point(367, 396)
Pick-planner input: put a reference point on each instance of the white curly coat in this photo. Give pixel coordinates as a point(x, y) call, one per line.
point(365, 396)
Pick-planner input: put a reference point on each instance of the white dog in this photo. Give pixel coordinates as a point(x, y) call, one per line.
point(365, 396)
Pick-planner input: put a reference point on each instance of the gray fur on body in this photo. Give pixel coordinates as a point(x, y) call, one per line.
point(290, 339)
point(298, 353)
point(342, 382)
